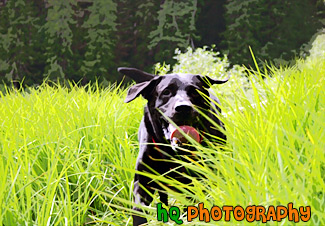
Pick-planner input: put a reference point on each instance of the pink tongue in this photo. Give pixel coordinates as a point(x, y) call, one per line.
point(189, 130)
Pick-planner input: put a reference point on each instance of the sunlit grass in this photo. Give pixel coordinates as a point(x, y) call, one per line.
point(68, 155)
point(58, 151)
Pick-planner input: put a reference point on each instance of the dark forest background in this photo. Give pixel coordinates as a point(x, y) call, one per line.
point(85, 40)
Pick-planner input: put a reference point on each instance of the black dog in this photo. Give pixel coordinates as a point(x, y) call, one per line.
point(173, 96)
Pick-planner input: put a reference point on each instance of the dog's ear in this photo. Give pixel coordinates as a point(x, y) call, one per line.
point(143, 88)
point(211, 81)
point(137, 75)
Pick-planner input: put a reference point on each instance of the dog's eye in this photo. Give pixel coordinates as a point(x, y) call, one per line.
point(166, 92)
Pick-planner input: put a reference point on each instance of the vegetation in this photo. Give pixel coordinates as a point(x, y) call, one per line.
point(208, 62)
point(86, 40)
point(68, 155)
point(68, 148)
point(269, 28)
point(63, 154)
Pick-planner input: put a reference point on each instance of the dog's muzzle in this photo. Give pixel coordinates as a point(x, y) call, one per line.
point(178, 136)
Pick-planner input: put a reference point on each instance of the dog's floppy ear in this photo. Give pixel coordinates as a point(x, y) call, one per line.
point(143, 88)
point(211, 81)
point(137, 75)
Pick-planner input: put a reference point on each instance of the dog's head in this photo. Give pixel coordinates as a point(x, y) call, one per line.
point(176, 96)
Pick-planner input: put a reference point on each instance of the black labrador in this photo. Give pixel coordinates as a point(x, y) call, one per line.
point(173, 96)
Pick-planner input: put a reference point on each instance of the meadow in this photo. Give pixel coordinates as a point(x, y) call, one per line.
point(67, 155)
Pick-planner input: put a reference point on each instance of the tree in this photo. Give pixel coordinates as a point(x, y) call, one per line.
point(60, 18)
point(20, 41)
point(176, 28)
point(99, 26)
point(210, 22)
point(274, 29)
point(153, 31)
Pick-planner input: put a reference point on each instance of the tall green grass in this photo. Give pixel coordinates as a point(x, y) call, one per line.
point(68, 155)
point(276, 143)
point(59, 149)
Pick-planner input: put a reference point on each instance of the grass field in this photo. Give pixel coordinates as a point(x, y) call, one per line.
point(67, 156)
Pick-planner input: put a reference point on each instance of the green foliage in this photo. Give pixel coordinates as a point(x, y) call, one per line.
point(80, 39)
point(176, 23)
point(208, 62)
point(20, 42)
point(85, 40)
point(133, 29)
point(210, 22)
point(153, 31)
point(100, 40)
point(59, 37)
point(176, 27)
point(270, 159)
point(273, 29)
point(56, 40)
point(67, 156)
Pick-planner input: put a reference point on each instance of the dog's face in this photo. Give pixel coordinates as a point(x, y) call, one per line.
point(177, 95)
point(174, 97)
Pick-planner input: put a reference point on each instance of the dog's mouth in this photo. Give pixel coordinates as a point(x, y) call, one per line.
point(180, 135)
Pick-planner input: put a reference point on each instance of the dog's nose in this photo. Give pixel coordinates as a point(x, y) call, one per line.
point(183, 108)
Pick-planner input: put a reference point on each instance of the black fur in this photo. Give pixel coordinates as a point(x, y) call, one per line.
point(175, 95)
